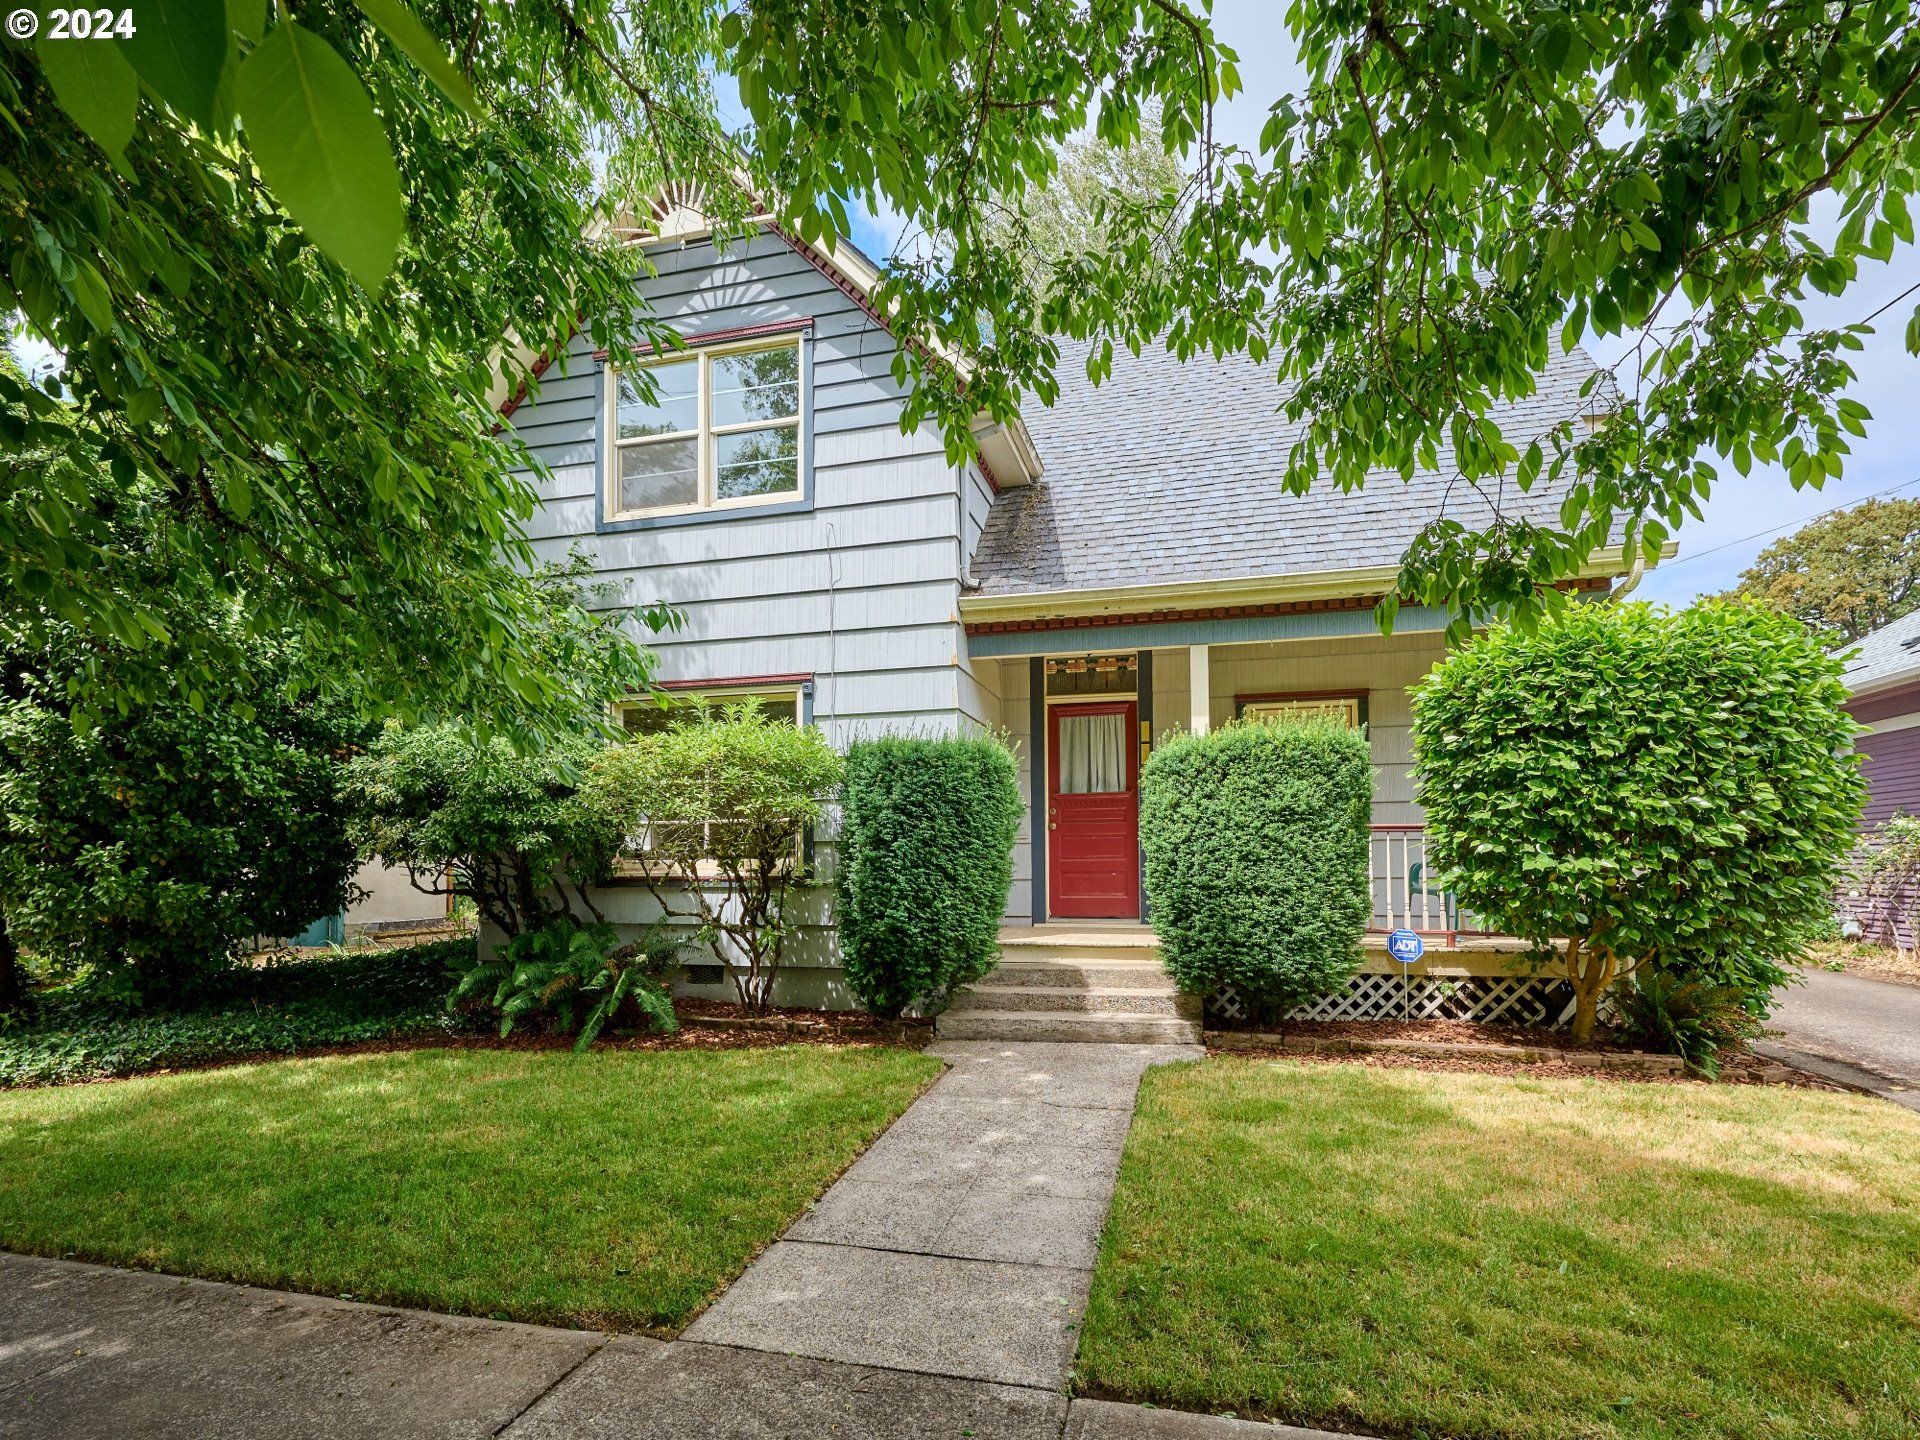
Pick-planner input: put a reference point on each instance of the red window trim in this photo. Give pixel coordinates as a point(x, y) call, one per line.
point(718, 337)
point(738, 682)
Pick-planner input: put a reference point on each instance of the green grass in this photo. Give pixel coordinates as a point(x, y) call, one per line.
point(1417, 1254)
point(297, 1005)
point(610, 1190)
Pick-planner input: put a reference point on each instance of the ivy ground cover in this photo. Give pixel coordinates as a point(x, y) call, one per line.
point(1410, 1253)
point(613, 1190)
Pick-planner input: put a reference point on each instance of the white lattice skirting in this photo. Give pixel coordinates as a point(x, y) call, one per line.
point(1490, 999)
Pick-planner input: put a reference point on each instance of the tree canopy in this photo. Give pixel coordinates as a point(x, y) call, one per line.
point(270, 388)
point(1048, 226)
point(1457, 191)
point(283, 305)
point(1846, 574)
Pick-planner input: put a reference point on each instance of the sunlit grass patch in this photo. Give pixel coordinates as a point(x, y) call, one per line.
point(613, 1189)
point(1406, 1252)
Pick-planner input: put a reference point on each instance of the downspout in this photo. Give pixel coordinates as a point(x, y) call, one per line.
point(1633, 576)
point(833, 676)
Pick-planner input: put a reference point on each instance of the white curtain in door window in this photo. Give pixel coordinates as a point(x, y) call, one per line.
point(1093, 754)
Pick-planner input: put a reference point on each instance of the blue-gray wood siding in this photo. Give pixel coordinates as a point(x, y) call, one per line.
point(859, 590)
point(862, 589)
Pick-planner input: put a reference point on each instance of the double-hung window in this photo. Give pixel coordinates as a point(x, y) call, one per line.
point(721, 429)
point(649, 717)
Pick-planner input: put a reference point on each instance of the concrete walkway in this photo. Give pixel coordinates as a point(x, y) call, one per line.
point(963, 1242)
point(935, 1291)
point(1860, 1032)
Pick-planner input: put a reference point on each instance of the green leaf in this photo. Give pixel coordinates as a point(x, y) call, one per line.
point(179, 48)
point(90, 293)
point(95, 85)
point(248, 17)
point(398, 24)
point(323, 151)
point(143, 407)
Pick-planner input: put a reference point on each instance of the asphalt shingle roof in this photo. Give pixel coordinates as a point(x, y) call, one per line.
point(1170, 472)
point(1891, 650)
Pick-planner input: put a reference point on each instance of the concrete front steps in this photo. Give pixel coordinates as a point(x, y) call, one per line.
point(1093, 984)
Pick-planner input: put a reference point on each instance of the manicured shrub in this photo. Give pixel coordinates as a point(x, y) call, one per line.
point(1256, 844)
point(339, 999)
point(143, 850)
point(1663, 790)
point(509, 832)
point(716, 813)
point(924, 864)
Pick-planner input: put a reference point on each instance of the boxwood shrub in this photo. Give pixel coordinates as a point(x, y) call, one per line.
point(1256, 846)
point(925, 860)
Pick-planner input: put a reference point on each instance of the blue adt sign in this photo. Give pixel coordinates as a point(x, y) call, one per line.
point(1404, 946)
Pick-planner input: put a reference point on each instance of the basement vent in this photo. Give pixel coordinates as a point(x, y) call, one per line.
point(706, 974)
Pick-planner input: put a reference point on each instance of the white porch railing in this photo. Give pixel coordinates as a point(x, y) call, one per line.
point(1405, 894)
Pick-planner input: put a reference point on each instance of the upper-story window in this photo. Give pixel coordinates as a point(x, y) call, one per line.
point(722, 429)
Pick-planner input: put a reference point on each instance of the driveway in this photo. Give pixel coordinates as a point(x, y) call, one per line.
point(1863, 1032)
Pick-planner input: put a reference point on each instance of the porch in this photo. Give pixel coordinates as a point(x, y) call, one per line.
point(1084, 721)
point(1078, 953)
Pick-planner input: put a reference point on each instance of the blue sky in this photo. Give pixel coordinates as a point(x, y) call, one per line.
point(1743, 515)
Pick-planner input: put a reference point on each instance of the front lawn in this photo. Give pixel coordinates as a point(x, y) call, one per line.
point(1409, 1253)
point(610, 1190)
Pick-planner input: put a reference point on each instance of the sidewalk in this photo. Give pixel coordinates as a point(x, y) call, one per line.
point(934, 1291)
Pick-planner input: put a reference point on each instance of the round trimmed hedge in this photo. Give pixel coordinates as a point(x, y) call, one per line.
point(925, 861)
point(1666, 789)
point(1256, 845)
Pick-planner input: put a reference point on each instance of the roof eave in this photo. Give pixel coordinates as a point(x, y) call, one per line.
point(1880, 683)
point(1007, 451)
point(1215, 594)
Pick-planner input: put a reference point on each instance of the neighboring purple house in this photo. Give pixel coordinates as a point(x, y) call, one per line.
point(1884, 678)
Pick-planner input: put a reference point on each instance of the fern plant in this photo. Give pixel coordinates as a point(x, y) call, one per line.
point(578, 977)
point(1692, 1018)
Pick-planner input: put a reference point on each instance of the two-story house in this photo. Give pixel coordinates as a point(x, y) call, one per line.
point(1114, 567)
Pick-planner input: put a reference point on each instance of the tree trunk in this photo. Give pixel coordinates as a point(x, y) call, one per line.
point(13, 982)
point(1590, 969)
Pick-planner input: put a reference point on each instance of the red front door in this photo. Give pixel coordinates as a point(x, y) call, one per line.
point(1093, 811)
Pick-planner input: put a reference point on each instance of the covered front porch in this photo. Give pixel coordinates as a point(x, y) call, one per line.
point(1085, 709)
point(1084, 714)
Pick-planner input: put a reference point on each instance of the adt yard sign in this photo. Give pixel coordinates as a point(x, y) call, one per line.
point(1405, 946)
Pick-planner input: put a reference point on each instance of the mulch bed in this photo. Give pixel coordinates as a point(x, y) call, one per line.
point(815, 1026)
point(1351, 1042)
point(1734, 1069)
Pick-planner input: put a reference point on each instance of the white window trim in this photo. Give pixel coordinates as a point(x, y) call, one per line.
point(719, 695)
point(705, 434)
point(626, 863)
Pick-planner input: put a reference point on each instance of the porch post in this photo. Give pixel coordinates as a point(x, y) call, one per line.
point(1200, 689)
point(1037, 784)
